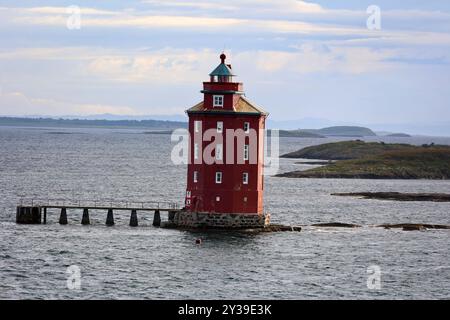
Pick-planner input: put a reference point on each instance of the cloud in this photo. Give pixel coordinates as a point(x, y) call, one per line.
point(310, 58)
point(233, 5)
point(251, 25)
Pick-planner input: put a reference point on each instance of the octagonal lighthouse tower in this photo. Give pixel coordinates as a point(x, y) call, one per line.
point(226, 157)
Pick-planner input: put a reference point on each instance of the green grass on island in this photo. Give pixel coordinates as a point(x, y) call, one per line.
point(376, 161)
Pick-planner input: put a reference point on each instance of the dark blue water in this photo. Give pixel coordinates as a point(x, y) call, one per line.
point(151, 263)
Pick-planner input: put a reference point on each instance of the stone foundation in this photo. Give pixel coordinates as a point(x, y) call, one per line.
point(200, 220)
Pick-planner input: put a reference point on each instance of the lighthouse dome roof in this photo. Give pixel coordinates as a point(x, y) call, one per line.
point(222, 69)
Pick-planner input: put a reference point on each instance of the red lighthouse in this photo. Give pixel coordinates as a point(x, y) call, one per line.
point(226, 157)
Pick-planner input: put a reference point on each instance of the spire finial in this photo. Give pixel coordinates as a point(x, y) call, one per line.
point(223, 57)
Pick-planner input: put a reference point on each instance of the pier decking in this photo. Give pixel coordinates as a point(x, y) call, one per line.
point(34, 211)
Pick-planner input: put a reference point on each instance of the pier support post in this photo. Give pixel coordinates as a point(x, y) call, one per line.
point(63, 216)
point(157, 219)
point(133, 219)
point(85, 219)
point(110, 218)
point(45, 215)
point(171, 216)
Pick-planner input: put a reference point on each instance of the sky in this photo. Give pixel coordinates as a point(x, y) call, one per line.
point(333, 60)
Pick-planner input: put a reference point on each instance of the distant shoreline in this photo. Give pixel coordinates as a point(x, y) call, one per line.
point(77, 123)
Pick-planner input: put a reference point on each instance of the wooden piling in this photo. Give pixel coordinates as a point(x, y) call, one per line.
point(157, 219)
point(63, 216)
point(85, 219)
point(133, 219)
point(110, 218)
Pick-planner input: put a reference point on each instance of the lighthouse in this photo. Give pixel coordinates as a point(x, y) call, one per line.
point(225, 178)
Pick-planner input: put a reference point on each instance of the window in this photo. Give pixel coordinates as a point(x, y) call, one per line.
point(217, 198)
point(246, 127)
point(218, 177)
point(195, 176)
point(245, 178)
point(197, 125)
point(219, 152)
point(219, 126)
point(188, 201)
point(188, 194)
point(218, 101)
point(246, 152)
point(195, 150)
point(245, 199)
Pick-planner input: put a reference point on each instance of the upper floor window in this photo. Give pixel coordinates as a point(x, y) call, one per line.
point(246, 151)
point(195, 176)
point(218, 177)
point(196, 151)
point(219, 126)
point(197, 126)
point(218, 101)
point(219, 152)
point(246, 127)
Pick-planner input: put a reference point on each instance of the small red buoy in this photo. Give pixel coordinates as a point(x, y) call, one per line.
point(198, 241)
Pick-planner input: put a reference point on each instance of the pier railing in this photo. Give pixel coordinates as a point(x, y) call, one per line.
point(89, 203)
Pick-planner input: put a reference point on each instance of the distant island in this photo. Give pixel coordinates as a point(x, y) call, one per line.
point(82, 123)
point(339, 131)
point(343, 131)
point(358, 159)
point(297, 134)
point(398, 135)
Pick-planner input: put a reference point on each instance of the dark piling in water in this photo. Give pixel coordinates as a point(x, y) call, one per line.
point(85, 219)
point(110, 218)
point(133, 219)
point(171, 216)
point(63, 217)
point(157, 219)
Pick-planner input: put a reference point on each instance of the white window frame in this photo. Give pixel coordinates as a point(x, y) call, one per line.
point(247, 127)
point(217, 198)
point(195, 178)
point(219, 177)
point(188, 202)
point(246, 152)
point(197, 125)
point(245, 178)
point(219, 152)
point(196, 151)
point(188, 194)
point(219, 102)
point(219, 126)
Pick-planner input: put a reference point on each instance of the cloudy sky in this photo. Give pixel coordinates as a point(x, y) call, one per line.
point(297, 59)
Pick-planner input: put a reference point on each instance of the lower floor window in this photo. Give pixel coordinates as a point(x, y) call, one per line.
point(218, 177)
point(245, 178)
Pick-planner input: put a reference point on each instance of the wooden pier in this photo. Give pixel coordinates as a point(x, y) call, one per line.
point(35, 211)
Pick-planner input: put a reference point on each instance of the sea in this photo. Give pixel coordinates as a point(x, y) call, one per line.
point(98, 262)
